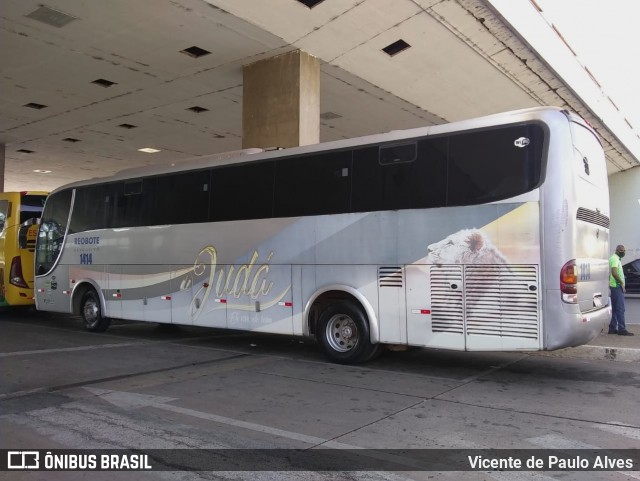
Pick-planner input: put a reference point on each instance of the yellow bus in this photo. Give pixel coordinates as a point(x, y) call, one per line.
point(19, 213)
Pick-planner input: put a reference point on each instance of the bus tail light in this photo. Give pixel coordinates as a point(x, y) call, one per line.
point(15, 275)
point(569, 282)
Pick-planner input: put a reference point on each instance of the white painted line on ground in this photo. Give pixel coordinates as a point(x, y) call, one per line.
point(553, 441)
point(113, 345)
point(616, 428)
point(128, 400)
point(74, 349)
point(520, 476)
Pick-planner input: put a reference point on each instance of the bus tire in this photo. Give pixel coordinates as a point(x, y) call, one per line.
point(91, 312)
point(344, 333)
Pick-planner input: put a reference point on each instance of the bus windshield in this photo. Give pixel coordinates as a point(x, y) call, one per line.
point(52, 230)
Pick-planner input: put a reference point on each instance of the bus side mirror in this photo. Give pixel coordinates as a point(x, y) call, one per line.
point(24, 231)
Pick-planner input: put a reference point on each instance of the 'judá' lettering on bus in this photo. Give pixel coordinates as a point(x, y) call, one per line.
point(247, 279)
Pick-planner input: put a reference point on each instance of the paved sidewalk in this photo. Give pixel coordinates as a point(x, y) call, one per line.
point(609, 347)
point(615, 341)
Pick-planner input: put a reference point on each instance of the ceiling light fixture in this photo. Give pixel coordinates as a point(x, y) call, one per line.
point(330, 116)
point(149, 150)
point(52, 17)
point(42, 171)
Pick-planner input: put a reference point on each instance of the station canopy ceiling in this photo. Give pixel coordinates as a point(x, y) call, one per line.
point(85, 85)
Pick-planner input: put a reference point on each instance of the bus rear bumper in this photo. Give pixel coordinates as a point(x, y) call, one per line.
point(583, 328)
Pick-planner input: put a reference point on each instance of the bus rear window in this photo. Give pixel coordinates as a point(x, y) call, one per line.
point(31, 207)
point(494, 164)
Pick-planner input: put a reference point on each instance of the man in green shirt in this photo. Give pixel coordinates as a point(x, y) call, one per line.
point(616, 284)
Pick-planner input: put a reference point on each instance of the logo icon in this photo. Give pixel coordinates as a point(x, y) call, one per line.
point(521, 142)
point(23, 459)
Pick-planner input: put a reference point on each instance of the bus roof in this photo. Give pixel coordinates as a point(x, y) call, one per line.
point(240, 156)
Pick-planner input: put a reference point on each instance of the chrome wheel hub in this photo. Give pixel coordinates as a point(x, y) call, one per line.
point(342, 333)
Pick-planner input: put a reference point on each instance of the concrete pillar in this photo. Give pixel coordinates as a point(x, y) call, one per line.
point(2, 150)
point(281, 101)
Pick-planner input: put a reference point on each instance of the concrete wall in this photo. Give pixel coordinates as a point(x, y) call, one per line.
point(624, 195)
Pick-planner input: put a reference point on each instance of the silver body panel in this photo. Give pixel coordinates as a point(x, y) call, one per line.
point(481, 277)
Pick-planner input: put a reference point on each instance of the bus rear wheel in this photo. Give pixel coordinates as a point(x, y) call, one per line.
point(92, 312)
point(343, 333)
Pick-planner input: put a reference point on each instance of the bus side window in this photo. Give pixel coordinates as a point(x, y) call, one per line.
point(242, 192)
point(316, 184)
point(182, 198)
point(366, 180)
point(381, 179)
point(133, 203)
point(429, 174)
point(406, 176)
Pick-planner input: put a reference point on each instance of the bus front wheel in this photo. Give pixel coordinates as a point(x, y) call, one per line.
point(92, 312)
point(343, 332)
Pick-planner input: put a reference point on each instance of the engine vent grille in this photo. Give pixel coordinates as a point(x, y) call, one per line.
point(390, 276)
point(502, 300)
point(447, 309)
point(592, 217)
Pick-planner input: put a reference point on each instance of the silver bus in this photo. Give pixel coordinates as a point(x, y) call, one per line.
point(488, 234)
